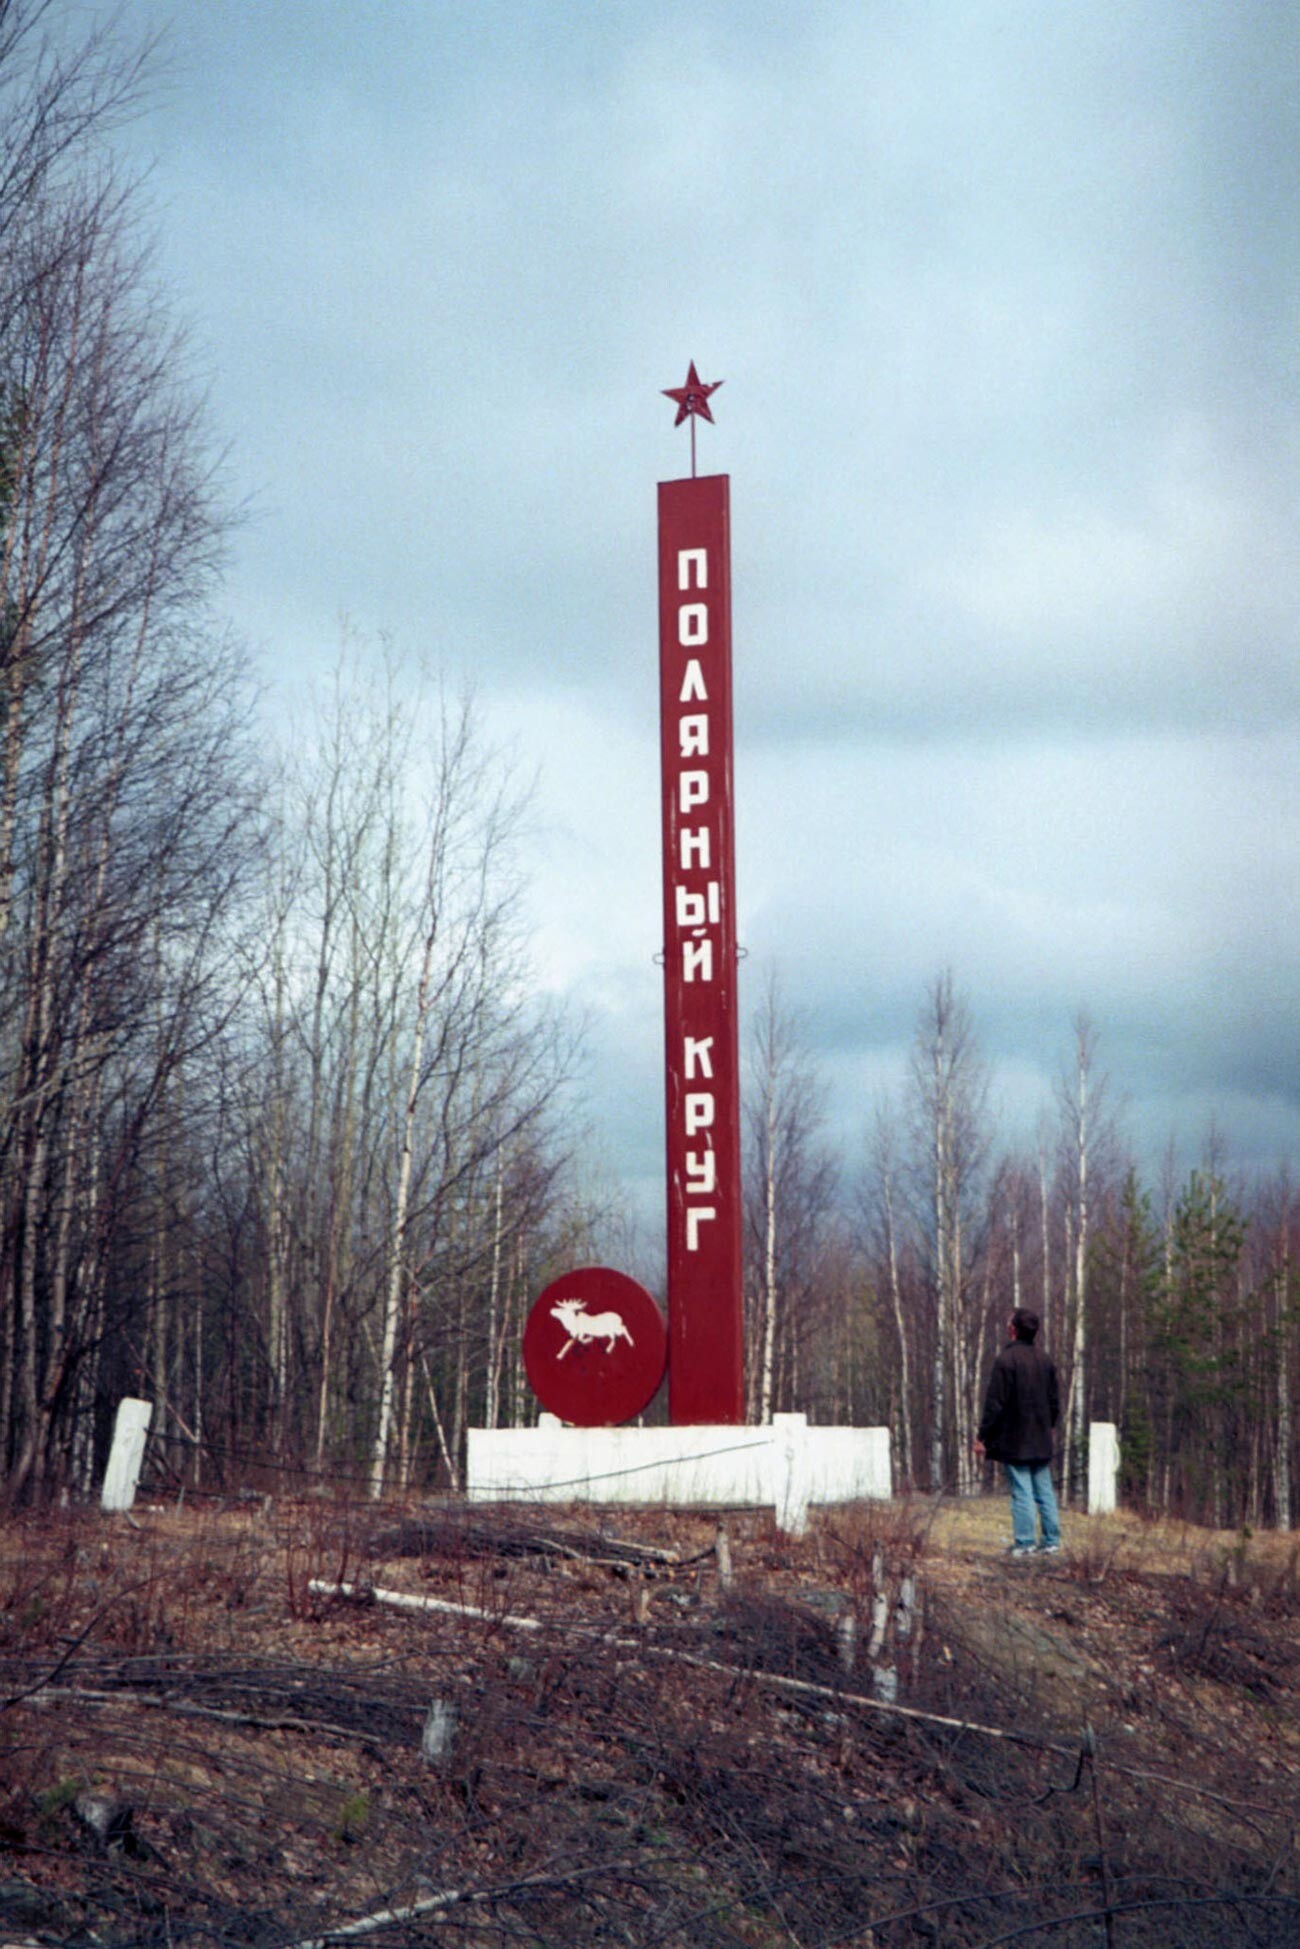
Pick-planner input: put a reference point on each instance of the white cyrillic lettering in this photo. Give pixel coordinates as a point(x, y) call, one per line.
point(693, 690)
point(697, 909)
point(699, 1056)
point(697, 959)
point(693, 625)
point(695, 848)
point(693, 736)
point(692, 558)
point(696, 1215)
point(698, 1108)
point(701, 1173)
point(692, 789)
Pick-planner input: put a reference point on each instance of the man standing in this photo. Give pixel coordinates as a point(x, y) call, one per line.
point(1021, 1408)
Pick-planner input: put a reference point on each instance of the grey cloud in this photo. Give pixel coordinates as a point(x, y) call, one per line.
point(1004, 300)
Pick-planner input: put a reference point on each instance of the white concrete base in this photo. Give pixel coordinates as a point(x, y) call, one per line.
point(783, 1467)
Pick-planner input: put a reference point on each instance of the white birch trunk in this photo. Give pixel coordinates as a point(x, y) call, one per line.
point(942, 1254)
point(1282, 1444)
point(449, 1463)
point(769, 1260)
point(490, 1406)
point(1077, 1408)
point(397, 1242)
point(1045, 1222)
point(900, 1326)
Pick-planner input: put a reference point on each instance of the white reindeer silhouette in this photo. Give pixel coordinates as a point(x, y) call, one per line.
point(581, 1326)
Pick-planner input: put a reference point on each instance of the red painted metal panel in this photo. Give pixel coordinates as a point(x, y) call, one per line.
point(705, 1364)
point(594, 1347)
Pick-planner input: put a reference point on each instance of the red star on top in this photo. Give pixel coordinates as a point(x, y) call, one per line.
point(693, 397)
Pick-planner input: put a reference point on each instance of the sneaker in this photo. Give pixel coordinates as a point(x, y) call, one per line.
point(1022, 1549)
point(1049, 1549)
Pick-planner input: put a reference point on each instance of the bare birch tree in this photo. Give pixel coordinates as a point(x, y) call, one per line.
point(882, 1215)
point(119, 752)
point(949, 1084)
point(789, 1185)
point(1086, 1130)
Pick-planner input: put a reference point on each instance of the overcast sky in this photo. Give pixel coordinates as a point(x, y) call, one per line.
point(1004, 297)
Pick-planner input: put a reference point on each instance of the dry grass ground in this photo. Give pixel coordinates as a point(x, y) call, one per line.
point(197, 1746)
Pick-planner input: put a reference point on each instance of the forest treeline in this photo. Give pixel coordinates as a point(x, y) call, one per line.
point(287, 1142)
point(277, 1145)
point(881, 1287)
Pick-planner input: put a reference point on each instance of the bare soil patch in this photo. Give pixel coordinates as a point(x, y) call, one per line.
point(605, 1743)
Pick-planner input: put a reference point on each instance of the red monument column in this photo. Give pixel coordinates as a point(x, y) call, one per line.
point(701, 1042)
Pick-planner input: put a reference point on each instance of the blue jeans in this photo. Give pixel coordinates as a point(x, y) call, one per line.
point(1030, 1484)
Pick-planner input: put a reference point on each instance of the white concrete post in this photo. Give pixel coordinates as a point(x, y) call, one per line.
point(1103, 1467)
point(791, 1472)
point(126, 1454)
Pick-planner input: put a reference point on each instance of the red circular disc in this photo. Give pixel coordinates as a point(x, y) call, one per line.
point(595, 1347)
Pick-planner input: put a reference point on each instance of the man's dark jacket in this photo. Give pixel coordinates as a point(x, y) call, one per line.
point(1022, 1405)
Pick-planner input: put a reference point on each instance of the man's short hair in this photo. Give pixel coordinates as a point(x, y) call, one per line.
point(1024, 1323)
